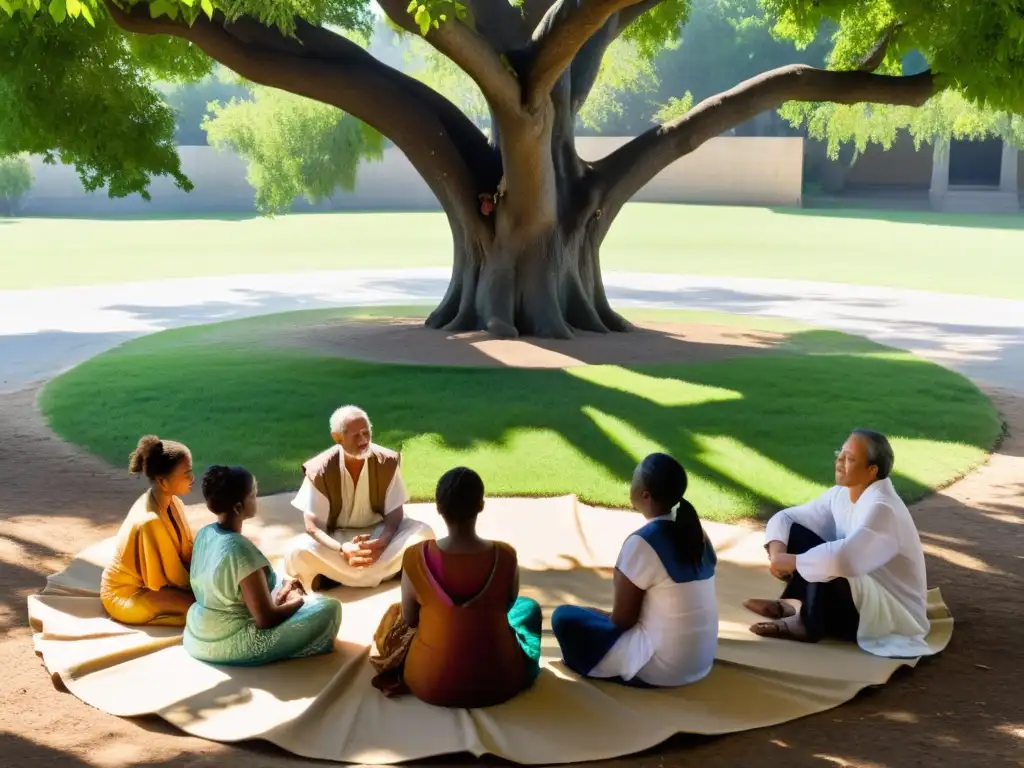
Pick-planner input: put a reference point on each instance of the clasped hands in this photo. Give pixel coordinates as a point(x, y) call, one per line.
point(362, 551)
point(291, 591)
point(781, 564)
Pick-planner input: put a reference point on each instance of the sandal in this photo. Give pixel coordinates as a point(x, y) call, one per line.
point(778, 630)
point(770, 609)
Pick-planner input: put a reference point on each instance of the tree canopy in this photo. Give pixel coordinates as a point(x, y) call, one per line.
point(120, 133)
point(528, 214)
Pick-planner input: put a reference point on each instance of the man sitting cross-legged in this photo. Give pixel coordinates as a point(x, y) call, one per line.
point(852, 558)
point(352, 497)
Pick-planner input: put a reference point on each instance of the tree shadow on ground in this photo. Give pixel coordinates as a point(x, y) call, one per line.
point(961, 708)
point(931, 218)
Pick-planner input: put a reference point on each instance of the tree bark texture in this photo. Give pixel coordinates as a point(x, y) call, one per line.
point(528, 215)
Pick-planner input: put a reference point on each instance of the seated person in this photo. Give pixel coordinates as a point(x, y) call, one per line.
point(853, 558)
point(477, 643)
point(663, 627)
point(244, 614)
point(147, 579)
point(352, 497)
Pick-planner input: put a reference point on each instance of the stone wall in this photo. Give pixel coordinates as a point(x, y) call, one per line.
point(726, 170)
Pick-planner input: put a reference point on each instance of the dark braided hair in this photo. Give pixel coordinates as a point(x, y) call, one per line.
point(459, 494)
point(224, 488)
point(156, 458)
point(666, 481)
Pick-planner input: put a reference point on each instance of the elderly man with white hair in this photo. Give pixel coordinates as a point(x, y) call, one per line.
point(352, 499)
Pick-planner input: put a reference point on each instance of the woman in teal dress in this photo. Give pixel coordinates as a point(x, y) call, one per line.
point(244, 614)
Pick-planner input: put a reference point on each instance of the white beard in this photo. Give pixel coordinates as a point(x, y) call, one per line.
point(358, 456)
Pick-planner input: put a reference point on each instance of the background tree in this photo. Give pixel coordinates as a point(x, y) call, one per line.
point(15, 182)
point(528, 261)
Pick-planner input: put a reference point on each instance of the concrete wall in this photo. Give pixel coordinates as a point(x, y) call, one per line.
point(727, 170)
point(900, 166)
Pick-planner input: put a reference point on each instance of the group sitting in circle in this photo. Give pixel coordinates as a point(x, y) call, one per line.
point(462, 636)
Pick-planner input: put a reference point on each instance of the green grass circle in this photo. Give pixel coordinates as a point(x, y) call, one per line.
point(755, 433)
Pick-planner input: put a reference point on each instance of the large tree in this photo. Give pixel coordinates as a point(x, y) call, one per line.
point(527, 214)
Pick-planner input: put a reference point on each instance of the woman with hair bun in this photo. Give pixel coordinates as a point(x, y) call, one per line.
point(245, 614)
point(147, 581)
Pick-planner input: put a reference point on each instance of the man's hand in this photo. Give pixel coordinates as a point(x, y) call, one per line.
point(359, 555)
point(782, 565)
point(373, 545)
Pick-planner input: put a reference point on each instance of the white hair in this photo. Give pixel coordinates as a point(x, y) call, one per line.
point(342, 417)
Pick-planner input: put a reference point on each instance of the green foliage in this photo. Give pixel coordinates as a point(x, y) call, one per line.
point(977, 47)
point(431, 14)
point(624, 69)
point(723, 43)
point(76, 92)
point(674, 108)
point(293, 146)
point(190, 103)
point(15, 182)
point(948, 115)
point(660, 27)
point(424, 63)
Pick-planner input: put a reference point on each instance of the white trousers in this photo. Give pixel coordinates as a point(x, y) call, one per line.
point(306, 558)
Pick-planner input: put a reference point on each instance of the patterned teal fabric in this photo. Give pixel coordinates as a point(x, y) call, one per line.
point(525, 619)
point(219, 628)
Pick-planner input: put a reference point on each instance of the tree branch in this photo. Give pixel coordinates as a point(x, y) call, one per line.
point(586, 65)
point(328, 68)
point(470, 51)
point(565, 29)
point(626, 170)
point(873, 59)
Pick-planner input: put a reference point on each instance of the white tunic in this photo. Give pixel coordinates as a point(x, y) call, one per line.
point(307, 558)
point(875, 545)
point(675, 640)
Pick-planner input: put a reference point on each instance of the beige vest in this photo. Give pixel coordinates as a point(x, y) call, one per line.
point(324, 472)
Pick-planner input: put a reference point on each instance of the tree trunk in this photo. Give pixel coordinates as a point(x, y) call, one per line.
point(547, 285)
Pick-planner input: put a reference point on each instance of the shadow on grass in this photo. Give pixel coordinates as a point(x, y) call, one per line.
point(756, 432)
point(930, 218)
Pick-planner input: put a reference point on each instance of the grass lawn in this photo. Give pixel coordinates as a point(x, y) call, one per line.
point(941, 252)
point(756, 433)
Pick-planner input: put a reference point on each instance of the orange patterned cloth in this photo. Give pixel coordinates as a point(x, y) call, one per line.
point(392, 639)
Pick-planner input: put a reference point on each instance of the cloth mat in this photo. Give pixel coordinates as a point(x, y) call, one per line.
point(325, 707)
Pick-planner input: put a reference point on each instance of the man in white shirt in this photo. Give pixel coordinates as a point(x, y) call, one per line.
point(852, 558)
point(352, 500)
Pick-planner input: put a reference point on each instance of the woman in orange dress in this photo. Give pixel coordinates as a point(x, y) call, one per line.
point(147, 581)
point(477, 643)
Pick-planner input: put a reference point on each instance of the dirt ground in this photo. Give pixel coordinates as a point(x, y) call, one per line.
point(964, 708)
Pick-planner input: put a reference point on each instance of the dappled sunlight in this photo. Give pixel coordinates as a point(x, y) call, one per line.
point(960, 559)
point(921, 460)
point(661, 390)
point(842, 762)
point(738, 462)
point(1013, 730)
point(951, 540)
point(908, 718)
point(623, 434)
point(523, 354)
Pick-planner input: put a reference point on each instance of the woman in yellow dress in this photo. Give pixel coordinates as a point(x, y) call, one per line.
point(147, 581)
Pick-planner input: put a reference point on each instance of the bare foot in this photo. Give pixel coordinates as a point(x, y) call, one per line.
point(770, 609)
point(790, 628)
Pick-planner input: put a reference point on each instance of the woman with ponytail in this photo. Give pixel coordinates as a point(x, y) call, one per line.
point(663, 627)
point(147, 581)
point(245, 614)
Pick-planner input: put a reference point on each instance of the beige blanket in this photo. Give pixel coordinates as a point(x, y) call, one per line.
point(325, 707)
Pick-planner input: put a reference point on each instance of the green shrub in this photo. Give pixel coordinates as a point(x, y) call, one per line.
point(15, 182)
